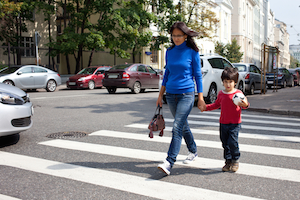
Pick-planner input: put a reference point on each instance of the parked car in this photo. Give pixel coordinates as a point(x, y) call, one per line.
point(251, 78)
point(283, 78)
point(90, 77)
point(31, 77)
point(296, 75)
point(16, 110)
point(212, 67)
point(137, 77)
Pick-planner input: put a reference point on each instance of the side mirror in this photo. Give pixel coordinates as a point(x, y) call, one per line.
point(19, 73)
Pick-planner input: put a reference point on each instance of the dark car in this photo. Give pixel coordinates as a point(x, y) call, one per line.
point(90, 77)
point(137, 77)
point(283, 78)
point(251, 76)
point(296, 76)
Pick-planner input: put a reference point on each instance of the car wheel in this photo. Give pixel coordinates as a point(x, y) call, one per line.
point(8, 82)
point(241, 86)
point(284, 84)
point(112, 90)
point(136, 88)
point(212, 94)
point(252, 88)
point(91, 85)
point(51, 86)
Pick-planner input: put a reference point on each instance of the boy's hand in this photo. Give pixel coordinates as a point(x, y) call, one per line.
point(244, 103)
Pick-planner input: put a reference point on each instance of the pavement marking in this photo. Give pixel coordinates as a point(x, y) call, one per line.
point(5, 197)
point(128, 183)
point(295, 153)
point(201, 163)
point(265, 128)
point(256, 116)
point(248, 120)
point(241, 134)
point(56, 97)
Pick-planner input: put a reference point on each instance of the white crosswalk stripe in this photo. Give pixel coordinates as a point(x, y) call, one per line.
point(261, 171)
point(145, 186)
point(129, 183)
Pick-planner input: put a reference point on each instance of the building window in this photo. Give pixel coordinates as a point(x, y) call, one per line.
point(154, 58)
point(29, 51)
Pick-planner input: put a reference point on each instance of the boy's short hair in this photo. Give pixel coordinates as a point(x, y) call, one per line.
point(230, 73)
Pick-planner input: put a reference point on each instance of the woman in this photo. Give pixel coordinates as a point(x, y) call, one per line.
point(182, 67)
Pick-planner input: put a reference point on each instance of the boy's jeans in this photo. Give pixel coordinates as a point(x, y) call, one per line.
point(180, 106)
point(229, 136)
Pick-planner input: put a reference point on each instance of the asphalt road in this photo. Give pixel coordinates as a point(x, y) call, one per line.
point(117, 160)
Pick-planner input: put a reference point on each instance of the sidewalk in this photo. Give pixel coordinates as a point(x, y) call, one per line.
point(285, 101)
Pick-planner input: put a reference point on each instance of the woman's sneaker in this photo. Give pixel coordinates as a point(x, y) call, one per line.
point(190, 158)
point(165, 167)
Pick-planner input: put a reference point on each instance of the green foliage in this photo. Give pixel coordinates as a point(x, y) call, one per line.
point(229, 51)
point(198, 16)
point(294, 63)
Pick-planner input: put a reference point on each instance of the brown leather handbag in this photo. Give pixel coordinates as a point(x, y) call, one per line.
point(157, 123)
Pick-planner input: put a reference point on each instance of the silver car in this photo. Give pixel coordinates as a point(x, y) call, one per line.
point(251, 78)
point(31, 77)
point(16, 110)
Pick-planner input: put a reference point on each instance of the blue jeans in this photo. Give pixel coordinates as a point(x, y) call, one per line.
point(180, 106)
point(229, 134)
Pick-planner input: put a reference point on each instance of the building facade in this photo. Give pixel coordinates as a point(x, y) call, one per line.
point(250, 22)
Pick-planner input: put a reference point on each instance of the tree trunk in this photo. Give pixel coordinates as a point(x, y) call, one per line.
point(91, 58)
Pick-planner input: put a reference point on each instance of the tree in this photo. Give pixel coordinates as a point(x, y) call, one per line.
point(220, 49)
point(199, 17)
point(229, 51)
point(133, 25)
point(294, 63)
point(233, 52)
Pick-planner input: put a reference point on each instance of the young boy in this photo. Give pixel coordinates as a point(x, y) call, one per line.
point(230, 119)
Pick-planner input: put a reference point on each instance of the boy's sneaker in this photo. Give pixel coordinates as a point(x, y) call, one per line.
point(227, 166)
point(234, 166)
point(165, 167)
point(191, 157)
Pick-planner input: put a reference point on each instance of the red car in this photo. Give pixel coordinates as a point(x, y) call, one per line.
point(90, 77)
point(137, 77)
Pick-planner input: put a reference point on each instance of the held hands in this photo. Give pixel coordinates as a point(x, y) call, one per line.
point(201, 105)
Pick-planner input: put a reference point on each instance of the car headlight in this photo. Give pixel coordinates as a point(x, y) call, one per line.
point(7, 98)
point(82, 79)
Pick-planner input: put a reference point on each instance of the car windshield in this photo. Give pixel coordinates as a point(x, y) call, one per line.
point(9, 70)
point(121, 66)
point(241, 68)
point(87, 71)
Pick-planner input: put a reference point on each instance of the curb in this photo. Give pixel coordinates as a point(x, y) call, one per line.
point(277, 112)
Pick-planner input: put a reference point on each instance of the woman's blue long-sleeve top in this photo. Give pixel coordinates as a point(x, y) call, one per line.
point(182, 66)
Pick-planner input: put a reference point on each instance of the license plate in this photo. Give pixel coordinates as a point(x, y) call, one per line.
point(270, 82)
point(112, 76)
point(72, 83)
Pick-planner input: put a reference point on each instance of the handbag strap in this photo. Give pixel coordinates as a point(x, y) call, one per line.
point(159, 109)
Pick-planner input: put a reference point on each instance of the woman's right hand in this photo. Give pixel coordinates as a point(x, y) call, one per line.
point(159, 102)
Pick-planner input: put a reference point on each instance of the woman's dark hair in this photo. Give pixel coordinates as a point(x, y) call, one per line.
point(190, 33)
point(230, 73)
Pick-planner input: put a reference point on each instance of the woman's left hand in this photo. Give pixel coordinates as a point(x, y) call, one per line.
point(201, 103)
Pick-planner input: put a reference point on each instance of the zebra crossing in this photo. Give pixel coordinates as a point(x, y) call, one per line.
point(166, 187)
